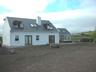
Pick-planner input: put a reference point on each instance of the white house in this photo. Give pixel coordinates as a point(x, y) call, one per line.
point(22, 31)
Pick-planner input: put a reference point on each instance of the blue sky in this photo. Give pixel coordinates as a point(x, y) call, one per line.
point(62, 5)
point(3, 10)
point(75, 15)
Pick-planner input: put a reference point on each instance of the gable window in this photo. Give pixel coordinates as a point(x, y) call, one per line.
point(62, 37)
point(16, 38)
point(37, 37)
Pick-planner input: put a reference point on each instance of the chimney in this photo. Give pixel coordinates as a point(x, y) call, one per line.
point(38, 20)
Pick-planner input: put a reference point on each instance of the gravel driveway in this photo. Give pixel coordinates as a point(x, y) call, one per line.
point(68, 58)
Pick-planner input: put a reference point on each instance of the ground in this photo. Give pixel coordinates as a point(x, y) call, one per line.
point(79, 57)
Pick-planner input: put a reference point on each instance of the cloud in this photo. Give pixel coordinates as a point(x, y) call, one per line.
point(74, 20)
point(62, 13)
point(63, 5)
point(25, 5)
point(29, 8)
point(69, 14)
point(23, 8)
point(88, 3)
point(87, 23)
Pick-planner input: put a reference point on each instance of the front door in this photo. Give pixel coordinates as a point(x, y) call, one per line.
point(51, 39)
point(28, 39)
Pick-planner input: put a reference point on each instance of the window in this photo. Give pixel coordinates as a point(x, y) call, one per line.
point(37, 37)
point(17, 38)
point(48, 26)
point(62, 37)
point(69, 38)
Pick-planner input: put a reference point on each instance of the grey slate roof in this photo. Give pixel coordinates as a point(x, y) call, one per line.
point(27, 25)
point(63, 31)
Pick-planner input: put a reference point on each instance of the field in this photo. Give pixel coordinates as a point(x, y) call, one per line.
point(79, 57)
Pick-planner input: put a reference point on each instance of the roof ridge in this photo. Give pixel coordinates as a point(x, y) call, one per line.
point(25, 18)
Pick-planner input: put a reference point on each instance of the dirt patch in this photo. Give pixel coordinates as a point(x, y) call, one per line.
point(79, 57)
point(7, 51)
point(3, 51)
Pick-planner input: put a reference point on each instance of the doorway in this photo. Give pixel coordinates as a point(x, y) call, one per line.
point(51, 39)
point(28, 39)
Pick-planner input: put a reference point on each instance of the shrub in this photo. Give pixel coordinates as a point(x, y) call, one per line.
point(1, 39)
point(91, 40)
point(84, 40)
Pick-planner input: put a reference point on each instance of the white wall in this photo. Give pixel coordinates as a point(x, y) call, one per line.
point(43, 39)
point(21, 40)
point(57, 38)
point(6, 33)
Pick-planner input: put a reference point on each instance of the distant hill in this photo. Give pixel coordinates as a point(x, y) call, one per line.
point(77, 36)
point(89, 33)
point(81, 33)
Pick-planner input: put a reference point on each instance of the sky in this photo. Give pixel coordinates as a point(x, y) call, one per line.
point(74, 15)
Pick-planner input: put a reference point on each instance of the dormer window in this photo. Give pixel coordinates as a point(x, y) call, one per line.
point(17, 24)
point(48, 26)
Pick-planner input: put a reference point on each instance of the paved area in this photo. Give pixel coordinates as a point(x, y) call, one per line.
point(68, 58)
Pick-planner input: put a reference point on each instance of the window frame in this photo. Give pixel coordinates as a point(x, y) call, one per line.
point(16, 37)
point(37, 37)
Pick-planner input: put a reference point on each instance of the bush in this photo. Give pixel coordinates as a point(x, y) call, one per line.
point(0, 39)
point(84, 40)
point(91, 39)
point(95, 40)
